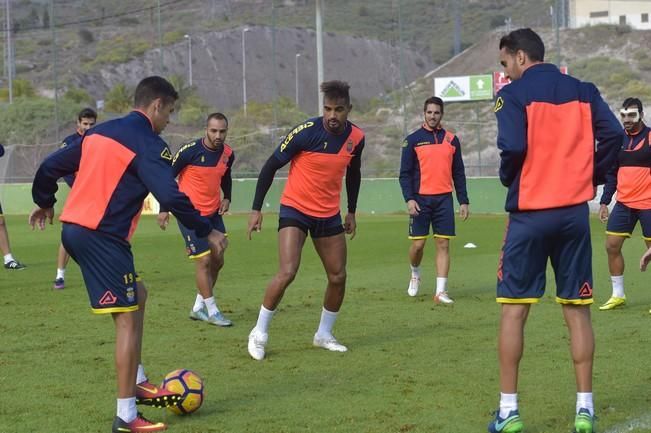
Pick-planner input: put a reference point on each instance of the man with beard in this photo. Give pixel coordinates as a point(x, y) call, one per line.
point(321, 151)
point(630, 178)
point(204, 170)
point(431, 160)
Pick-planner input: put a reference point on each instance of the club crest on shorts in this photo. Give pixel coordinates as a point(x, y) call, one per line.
point(131, 294)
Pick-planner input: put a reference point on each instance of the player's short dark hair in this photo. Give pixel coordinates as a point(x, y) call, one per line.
point(335, 90)
point(526, 40)
point(628, 102)
point(433, 100)
point(87, 113)
point(218, 116)
point(152, 88)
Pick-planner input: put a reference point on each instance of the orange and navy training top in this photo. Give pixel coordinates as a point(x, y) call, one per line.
point(203, 174)
point(319, 160)
point(117, 163)
point(547, 126)
point(430, 161)
point(631, 174)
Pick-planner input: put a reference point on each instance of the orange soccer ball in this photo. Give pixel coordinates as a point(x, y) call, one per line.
point(189, 385)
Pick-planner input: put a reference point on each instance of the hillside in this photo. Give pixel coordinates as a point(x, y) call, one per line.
point(614, 58)
point(370, 66)
point(125, 37)
point(99, 50)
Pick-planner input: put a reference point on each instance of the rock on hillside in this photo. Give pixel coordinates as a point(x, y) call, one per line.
point(371, 67)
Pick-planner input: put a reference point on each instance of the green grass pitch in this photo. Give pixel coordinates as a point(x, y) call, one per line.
point(412, 366)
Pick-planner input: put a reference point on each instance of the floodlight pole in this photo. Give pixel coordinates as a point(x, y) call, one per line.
point(9, 56)
point(319, 54)
point(160, 39)
point(244, 30)
point(54, 71)
point(296, 75)
point(189, 38)
point(401, 63)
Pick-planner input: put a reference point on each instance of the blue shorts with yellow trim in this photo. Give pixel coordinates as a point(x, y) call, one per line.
point(107, 266)
point(561, 235)
point(317, 227)
point(623, 219)
point(436, 211)
point(197, 246)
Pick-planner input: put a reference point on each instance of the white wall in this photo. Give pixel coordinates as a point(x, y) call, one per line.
point(581, 10)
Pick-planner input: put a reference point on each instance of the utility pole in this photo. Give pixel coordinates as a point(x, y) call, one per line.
point(54, 71)
point(10, 62)
point(274, 95)
point(557, 17)
point(403, 98)
point(457, 29)
point(160, 39)
point(319, 54)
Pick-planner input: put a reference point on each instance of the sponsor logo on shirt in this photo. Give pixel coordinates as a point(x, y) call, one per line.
point(293, 132)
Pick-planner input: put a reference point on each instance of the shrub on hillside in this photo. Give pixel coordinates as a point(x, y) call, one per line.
point(86, 36)
point(119, 99)
point(18, 119)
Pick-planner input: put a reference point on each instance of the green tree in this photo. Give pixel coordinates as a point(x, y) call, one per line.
point(78, 96)
point(21, 88)
point(119, 99)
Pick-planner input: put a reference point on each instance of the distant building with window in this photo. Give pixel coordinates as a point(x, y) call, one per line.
point(590, 12)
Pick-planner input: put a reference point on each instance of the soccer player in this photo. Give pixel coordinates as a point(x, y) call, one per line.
point(547, 126)
point(9, 261)
point(431, 160)
point(321, 150)
point(204, 170)
point(86, 119)
point(630, 177)
point(117, 164)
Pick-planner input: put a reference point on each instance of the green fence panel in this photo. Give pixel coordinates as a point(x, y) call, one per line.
point(376, 196)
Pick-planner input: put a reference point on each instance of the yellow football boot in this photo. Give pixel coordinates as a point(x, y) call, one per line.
point(612, 303)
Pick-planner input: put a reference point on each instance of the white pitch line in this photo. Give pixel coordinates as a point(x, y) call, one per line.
point(643, 422)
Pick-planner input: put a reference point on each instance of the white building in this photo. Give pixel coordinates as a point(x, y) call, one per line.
point(634, 13)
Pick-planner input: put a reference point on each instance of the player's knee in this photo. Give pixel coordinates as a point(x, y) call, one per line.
point(204, 263)
point(613, 246)
point(442, 245)
point(287, 274)
point(418, 245)
point(337, 278)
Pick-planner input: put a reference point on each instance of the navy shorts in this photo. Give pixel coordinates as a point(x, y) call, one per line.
point(436, 211)
point(107, 266)
point(561, 235)
point(317, 227)
point(197, 246)
point(623, 219)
